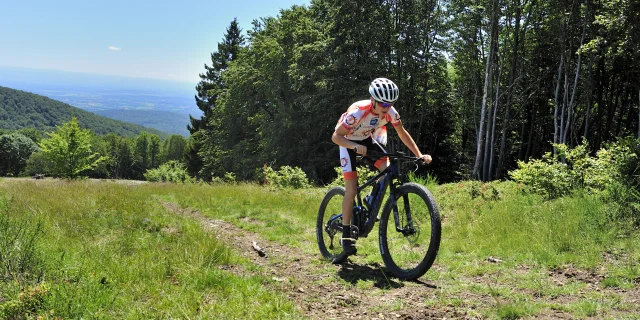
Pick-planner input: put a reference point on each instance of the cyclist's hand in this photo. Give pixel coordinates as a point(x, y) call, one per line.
point(426, 158)
point(361, 150)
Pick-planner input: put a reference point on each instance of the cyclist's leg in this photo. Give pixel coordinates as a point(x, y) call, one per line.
point(347, 163)
point(371, 144)
point(350, 189)
point(381, 163)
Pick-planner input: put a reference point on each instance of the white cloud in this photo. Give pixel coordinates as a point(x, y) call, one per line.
point(114, 48)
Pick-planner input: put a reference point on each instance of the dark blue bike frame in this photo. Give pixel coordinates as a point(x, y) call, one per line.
point(388, 175)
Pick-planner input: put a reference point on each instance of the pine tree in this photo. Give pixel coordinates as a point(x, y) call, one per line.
point(209, 89)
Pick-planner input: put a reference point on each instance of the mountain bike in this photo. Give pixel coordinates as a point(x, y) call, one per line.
point(409, 231)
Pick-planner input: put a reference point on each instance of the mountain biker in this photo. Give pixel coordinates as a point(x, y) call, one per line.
point(361, 128)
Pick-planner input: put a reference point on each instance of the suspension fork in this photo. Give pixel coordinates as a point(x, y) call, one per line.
point(409, 230)
point(394, 204)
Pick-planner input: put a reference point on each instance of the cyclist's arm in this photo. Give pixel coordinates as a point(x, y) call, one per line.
point(408, 141)
point(339, 139)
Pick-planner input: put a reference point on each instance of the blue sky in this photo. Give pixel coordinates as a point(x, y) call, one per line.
point(169, 40)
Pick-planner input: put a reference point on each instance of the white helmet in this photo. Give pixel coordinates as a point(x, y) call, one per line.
point(384, 90)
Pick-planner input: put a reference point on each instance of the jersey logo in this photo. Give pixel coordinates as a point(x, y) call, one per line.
point(350, 120)
point(373, 122)
point(344, 162)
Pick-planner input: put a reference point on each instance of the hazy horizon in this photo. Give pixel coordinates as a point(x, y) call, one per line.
point(52, 78)
point(168, 103)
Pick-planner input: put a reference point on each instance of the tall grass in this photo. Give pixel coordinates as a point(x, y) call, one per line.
point(109, 250)
point(113, 251)
point(479, 221)
point(500, 220)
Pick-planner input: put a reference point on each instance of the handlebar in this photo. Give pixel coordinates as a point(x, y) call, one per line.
point(394, 155)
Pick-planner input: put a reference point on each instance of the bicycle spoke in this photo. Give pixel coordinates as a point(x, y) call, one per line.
point(329, 223)
point(409, 247)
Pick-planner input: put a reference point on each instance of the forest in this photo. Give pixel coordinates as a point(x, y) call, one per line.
point(483, 84)
point(71, 151)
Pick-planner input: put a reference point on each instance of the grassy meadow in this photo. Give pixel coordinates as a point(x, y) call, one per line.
point(107, 250)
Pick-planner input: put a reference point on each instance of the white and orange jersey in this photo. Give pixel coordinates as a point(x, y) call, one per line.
point(361, 122)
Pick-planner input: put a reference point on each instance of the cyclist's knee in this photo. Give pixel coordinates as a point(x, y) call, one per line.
point(351, 186)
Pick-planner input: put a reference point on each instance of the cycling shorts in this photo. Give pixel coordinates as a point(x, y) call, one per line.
point(348, 158)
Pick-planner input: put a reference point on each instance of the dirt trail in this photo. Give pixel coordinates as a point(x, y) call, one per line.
point(298, 276)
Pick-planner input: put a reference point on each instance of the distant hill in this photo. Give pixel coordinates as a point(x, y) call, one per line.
point(166, 121)
point(21, 109)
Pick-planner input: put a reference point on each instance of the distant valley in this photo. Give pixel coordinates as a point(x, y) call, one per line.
point(158, 104)
point(21, 109)
point(166, 121)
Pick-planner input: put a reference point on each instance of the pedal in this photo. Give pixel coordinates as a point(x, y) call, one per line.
point(354, 232)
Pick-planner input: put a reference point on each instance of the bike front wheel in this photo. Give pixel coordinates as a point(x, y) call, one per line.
point(409, 247)
point(329, 223)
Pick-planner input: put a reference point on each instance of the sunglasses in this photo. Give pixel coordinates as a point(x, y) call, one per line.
point(385, 104)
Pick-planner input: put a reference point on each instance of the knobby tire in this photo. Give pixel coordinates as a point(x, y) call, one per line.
point(333, 196)
point(402, 245)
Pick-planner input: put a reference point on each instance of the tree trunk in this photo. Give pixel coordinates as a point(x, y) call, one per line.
point(557, 96)
point(487, 140)
point(590, 93)
point(532, 130)
point(493, 121)
point(600, 100)
point(575, 81)
point(514, 64)
point(628, 101)
point(487, 78)
point(565, 102)
point(611, 107)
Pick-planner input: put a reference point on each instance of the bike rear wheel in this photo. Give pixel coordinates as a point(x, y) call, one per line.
point(329, 223)
point(410, 252)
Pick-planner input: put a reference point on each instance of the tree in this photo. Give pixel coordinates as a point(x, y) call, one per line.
point(482, 158)
point(69, 150)
point(141, 156)
point(154, 151)
point(100, 146)
point(211, 84)
point(32, 133)
point(173, 148)
point(37, 164)
point(15, 150)
point(120, 163)
point(209, 89)
point(484, 83)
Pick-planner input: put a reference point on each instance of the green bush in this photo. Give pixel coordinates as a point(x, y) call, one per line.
point(612, 174)
point(28, 305)
point(37, 164)
point(229, 177)
point(286, 177)
point(172, 171)
point(570, 169)
point(544, 176)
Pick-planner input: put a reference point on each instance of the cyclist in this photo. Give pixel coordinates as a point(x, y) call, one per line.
point(361, 128)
